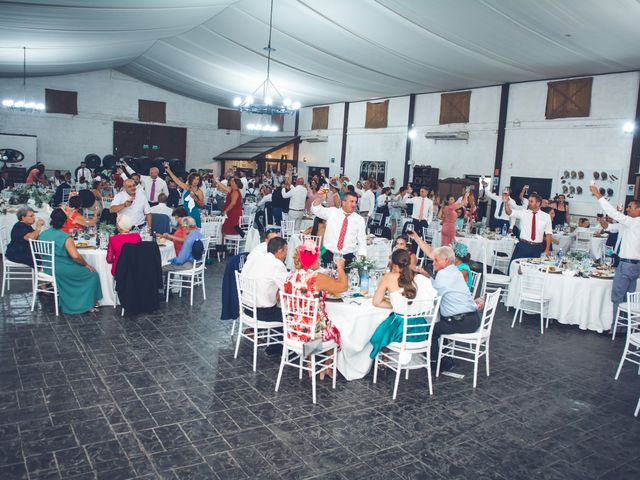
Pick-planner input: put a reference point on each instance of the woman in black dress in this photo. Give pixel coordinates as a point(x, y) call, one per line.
point(561, 212)
point(18, 250)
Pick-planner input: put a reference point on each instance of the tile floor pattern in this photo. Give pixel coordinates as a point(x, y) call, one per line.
point(160, 396)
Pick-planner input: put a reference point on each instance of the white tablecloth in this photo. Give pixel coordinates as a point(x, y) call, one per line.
point(566, 241)
point(252, 239)
point(356, 324)
point(98, 260)
point(477, 244)
point(585, 302)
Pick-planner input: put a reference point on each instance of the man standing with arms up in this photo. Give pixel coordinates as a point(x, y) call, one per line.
point(346, 231)
point(422, 210)
point(500, 216)
point(297, 198)
point(628, 269)
point(535, 228)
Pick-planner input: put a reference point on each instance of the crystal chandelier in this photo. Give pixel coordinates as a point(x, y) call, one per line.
point(273, 103)
point(23, 105)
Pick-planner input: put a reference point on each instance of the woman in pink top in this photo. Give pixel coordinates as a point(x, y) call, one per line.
point(449, 217)
point(116, 242)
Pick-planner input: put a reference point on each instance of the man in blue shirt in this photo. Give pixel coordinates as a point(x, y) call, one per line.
point(184, 261)
point(458, 311)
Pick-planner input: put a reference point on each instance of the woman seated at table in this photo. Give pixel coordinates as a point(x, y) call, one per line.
point(78, 283)
point(305, 281)
point(461, 252)
point(178, 237)
point(74, 219)
point(18, 250)
point(402, 284)
point(402, 243)
point(116, 242)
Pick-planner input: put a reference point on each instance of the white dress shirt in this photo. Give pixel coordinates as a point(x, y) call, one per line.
point(355, 241)
point(498, 200)
point(260, 249)
point(162, 208)
point(628, 231)
point(137, 210)
point(84, 172)
point(269, 274)
point(367, 202)
point(417, 203)
point(264, 200)
point(543, 224)
point(146, 181)
point(298, 196)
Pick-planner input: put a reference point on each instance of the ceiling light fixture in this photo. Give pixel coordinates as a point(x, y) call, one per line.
point(23, 105)
point(272, 102)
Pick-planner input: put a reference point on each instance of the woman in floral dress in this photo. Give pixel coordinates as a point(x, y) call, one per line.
point(306, 281)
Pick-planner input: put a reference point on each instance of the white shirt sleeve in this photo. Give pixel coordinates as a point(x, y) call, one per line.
point(320, 211)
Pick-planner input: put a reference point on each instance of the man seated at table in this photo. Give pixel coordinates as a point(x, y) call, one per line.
point(269, 272)
point(161, 206)
point(192, 249)
point(345, 232)
point(583, 224)
point(132, 203)
point(458, 311)
point(536, 231)
point(261, 248)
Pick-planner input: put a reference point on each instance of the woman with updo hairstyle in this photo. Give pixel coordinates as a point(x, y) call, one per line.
point(78, 283)
point(405, 288)
point(402, 243)
point(75, 220)
point(192, 195)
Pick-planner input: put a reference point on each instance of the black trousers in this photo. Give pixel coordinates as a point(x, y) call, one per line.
point(268, 314)
point(468, 323)
point(526, 250)
point(327, 258)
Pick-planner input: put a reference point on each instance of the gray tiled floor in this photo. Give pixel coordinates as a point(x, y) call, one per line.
point(160, 396)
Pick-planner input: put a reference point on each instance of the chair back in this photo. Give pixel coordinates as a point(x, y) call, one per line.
point(3, 240)
point(247, 295)
point(65, 194)
point(379, 254)
point(534, 278)
point(428, 233)
point(246, 222)
point(583, 240)
point(633, 313)
point(475, 282)
point(299, 317)
point(382, 232)
point(287, 229)
point(43, 258)
point(502, 250)
point(418, 321)
point(489, 312)
point(377, 219)
point(314, 238)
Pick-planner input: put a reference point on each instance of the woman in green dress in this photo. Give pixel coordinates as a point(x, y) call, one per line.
point(78, 283)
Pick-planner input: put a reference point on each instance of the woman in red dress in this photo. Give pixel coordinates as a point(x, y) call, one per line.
point(449, 217)
point(232, 208)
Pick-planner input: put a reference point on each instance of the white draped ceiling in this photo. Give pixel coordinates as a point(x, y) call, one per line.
point(326, 50)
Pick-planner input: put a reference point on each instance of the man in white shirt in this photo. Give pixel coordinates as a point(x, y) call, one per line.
point(261, 248)
point(152, 184)
point(345, 232)
point(628, 269)
point(269, 272)
point(422, 210)
point(161, 206)
point(83, 171)
point(535, 228)
point(298, 198)
point(367, 203)
point(132, 203)
point(500, 216)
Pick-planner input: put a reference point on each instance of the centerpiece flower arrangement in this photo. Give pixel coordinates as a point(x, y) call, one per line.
point(24, 193)
point(362, 264)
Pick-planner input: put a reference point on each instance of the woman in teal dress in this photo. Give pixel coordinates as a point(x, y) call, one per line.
point(78, 283)
point(462, 262)
point(402, 285)
point(192, 195)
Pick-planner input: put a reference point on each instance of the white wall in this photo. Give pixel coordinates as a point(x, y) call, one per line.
point(456, 158)
point(537, 147)
point(320, 154)
point(104, 97)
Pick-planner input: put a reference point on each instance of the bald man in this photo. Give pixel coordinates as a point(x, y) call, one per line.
point(133, 204)
point(153, 185)
point(298, 196)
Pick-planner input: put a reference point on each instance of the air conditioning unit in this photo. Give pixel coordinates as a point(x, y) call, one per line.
point(315, 139)
point(447, 135)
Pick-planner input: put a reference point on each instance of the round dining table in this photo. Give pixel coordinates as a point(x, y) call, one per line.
point(478, 243)
point(356, 319)
point(566, 241)
point(97, 258)
point(573, 300)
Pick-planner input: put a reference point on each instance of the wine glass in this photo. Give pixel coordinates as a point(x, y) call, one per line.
point(410, 227)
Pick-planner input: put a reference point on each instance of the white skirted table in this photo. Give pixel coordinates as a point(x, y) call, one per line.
point(9, 219)
point(356, 324)
point(585, 302)
point(97, 258)
point(477, 245)
point(252, 239)
point(566, 241)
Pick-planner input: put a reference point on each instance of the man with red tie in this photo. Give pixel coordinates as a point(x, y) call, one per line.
point(422, 210)
point(535, 228)
point(345, 232)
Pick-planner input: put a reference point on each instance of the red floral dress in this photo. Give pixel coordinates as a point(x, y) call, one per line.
point(303, 283)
